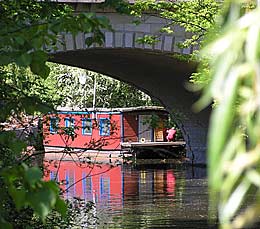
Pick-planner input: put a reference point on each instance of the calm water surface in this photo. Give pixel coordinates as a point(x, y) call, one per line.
point(144, 195)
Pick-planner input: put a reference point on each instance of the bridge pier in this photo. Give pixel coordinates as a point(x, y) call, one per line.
point(194, 127)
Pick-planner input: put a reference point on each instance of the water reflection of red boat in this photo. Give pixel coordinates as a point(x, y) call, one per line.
point(91, 182)
point(103, 183)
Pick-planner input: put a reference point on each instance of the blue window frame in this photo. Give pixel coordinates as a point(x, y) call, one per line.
point(86, 126)
point(69, 122)
point(54, 125)
point(104, 127)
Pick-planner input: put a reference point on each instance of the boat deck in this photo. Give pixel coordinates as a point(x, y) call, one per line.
point(152, 144)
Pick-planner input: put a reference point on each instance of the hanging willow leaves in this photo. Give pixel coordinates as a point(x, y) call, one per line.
point(234, 137)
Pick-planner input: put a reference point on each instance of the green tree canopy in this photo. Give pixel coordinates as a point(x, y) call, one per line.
point(75, 88)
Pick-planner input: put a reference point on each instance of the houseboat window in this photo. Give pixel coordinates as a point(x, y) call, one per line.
point(54, 124)
point(86, 126)
point(104, 127)
point(69, 122)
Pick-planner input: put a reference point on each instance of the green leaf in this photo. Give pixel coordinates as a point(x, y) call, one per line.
point(18, 197)
point(52, 186)
point(9, 140)
point(104, 22)
point(221, 122)
point(37, 42)
point(45, 71)
point(18, 146)
point(5, 58)
point(42, 201)
point(61, 207)
point(40, 56)
point(24, 60)
point(33, 175)
point(6, 137)
point(38, 65)
point(89, 41)
point(40, 69)
point(20, 40)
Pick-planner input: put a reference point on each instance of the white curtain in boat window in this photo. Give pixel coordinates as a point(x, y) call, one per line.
point(104, 127)
point(69, 122)
point(86, 126)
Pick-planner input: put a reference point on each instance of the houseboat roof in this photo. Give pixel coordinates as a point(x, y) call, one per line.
point(99, 109)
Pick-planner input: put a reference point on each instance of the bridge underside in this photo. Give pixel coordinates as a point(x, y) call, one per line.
point(159, 75)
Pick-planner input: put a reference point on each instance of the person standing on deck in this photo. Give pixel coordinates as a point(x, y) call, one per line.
point(171, 134)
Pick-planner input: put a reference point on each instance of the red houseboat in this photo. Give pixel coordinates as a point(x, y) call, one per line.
point(105, 129)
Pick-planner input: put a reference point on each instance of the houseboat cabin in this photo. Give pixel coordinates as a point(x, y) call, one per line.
point(104, 129)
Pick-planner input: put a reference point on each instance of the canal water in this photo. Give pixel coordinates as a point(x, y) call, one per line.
point(146, 194)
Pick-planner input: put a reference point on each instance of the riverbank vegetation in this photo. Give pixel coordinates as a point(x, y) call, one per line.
point(25, 27)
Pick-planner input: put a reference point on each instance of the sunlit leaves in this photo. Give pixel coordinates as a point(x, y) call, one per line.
point(21, 91)
point(110, 92)
point(147, 39)
point(196, 17)
point(28, 28)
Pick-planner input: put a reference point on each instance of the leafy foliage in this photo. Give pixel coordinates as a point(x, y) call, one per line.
point(234, 128)
point(29, 26)
point(114, 93)
point(80, 214)
point(22, 91)
point(28, 32)
point(196, 17)
point(26, 188)
point(67, 84)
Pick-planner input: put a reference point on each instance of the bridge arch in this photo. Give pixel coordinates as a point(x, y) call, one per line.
point(151, 68)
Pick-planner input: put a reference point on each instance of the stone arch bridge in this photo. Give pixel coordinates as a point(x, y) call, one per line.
point(151, 68)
